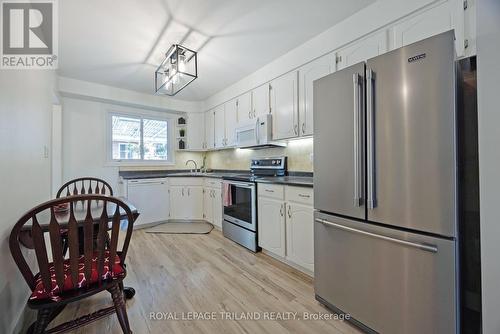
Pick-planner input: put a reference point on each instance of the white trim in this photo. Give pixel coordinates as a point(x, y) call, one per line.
point(170, 119)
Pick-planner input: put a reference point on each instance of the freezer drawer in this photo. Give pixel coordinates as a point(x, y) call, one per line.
point(391, 281)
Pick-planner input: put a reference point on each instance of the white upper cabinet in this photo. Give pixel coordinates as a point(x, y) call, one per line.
point(231, 122)
point(362, 50)
point(260, 101)
point(219, 126)
point(307, 74)
point(284, 106)
point(244, 107)
point(431, 22)
point(209, 129)
point(196, 131)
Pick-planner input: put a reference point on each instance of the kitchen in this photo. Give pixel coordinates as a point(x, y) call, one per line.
point(330, 184)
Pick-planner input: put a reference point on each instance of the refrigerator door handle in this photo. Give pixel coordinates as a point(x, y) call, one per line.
point(356, 79)
point(372, 199)
point(428, 248)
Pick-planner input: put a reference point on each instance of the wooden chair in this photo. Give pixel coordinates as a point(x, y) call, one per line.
point(82, 186)
point(100, 267)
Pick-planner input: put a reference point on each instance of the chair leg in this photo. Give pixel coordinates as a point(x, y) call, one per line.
point(42, 321)
point(121, 310)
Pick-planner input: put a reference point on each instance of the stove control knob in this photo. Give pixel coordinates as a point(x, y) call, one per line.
point(274, 162)
point(255, 162)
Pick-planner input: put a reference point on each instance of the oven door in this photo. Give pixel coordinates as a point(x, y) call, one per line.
point(239, 204)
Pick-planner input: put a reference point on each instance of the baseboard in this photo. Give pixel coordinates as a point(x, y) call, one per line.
point(289, 263)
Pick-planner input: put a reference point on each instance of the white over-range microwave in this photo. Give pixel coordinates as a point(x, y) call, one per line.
point(256, 134)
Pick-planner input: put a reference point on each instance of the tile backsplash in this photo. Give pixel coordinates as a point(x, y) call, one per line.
point(299, 153)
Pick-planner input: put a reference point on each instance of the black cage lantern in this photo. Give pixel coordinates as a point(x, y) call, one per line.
point(177, 70)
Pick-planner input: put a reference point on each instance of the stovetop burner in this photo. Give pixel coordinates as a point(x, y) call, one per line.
point(266, 167)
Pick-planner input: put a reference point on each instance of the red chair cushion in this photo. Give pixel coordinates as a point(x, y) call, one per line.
point(40, 294)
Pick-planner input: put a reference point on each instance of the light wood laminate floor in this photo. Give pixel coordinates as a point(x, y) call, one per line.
point(178, 274)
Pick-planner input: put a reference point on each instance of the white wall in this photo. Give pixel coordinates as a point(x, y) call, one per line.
point(488, 55)
point(25, 131)
point(84, 141)
point(367, 20)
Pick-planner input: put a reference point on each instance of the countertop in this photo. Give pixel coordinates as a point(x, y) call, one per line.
point(301, 179)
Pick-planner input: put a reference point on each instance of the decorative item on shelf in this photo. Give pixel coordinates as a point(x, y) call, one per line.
point(182, 145)
point(182, 133)
point(181, 121)
point(177, 70)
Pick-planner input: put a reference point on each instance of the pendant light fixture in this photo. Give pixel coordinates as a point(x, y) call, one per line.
point(177, 70)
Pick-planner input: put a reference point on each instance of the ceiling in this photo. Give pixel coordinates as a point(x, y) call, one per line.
point(118, 43)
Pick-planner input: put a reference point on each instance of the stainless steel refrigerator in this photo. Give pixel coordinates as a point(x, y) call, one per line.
point(385, 190)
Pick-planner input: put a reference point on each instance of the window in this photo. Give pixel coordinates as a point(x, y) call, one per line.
point(137, 138)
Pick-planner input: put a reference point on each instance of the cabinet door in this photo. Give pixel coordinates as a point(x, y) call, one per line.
point(196, 131)
point(260, 101)
point(272, 225)
point(208, 207)
point(244, 105)
point(429, 23)
point(300, 235)
point(219, 126)
point(284, 102)
point(209, 129)
point(193, 197)
point(307, 74)
point(231, 120)
point(362, 50)
point(217, 207)
point(177, 203)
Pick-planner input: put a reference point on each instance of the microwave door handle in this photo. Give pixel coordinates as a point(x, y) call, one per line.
point(257, 134)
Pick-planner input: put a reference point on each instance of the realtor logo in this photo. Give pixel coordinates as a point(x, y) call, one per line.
point(29, 39)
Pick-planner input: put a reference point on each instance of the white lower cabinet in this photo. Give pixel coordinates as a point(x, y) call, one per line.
point(286, 223)
point(300, 235)
point(208, 206)
point(186, 198)
point(271, 227)
point(212, 205)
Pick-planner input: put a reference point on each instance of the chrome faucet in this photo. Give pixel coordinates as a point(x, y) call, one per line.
point(195, 165)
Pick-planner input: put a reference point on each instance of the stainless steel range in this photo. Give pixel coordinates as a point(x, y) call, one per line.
point(239, 198)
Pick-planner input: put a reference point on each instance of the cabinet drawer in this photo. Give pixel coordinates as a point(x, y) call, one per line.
point(186, 181)
point(271, 190)
point(213, 183)
point(300, 195)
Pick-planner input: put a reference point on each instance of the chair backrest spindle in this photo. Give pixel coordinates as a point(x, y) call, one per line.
point(83, 185)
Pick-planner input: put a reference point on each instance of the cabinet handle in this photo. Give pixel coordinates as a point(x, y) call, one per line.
point(189, 191)
point(296, 129)
point(269, 190)
point(303, 128)
point(289, 212)
point(254, 113)
point(249, 114)
point(304, 196)
point(182, 191)
point(281, 210)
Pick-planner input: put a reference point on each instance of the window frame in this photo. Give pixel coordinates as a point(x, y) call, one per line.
point(139, 162)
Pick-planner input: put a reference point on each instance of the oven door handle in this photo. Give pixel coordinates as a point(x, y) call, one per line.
point(240, 184)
